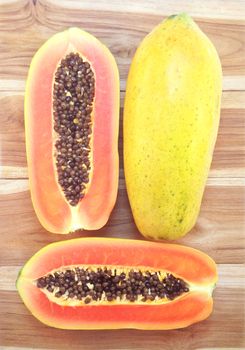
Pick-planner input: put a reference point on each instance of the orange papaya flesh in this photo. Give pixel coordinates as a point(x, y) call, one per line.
point(85, 302)
point(85, 202)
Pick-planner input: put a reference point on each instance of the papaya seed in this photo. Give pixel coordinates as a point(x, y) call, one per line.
point(73, 96)
point(88, 285)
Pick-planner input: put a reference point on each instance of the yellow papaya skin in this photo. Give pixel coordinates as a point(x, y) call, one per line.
point(171, 119)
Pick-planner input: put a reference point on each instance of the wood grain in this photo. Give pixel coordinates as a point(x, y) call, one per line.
point(218, 9)
point(121, 25)
point(15, 14)
point(219, 230)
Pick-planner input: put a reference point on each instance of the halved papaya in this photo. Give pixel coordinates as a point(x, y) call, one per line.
point(71, 126)
point(103, 283)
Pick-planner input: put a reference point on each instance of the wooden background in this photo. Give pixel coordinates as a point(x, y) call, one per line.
point(121, 25)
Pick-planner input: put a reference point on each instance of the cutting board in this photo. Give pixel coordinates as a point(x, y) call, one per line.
point(219, 231)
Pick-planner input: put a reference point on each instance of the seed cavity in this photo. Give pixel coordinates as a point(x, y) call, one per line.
point(106, 284)
point(73, 97)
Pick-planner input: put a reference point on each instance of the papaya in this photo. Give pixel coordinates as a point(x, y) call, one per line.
point(171, 119)
point(71, 129)
point(106, 283)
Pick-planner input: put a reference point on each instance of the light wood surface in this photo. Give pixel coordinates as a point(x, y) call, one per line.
point(24, 26)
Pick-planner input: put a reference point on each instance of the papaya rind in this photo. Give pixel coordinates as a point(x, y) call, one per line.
point(175, 73)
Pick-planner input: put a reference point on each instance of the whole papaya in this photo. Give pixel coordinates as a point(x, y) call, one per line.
point(171, 118)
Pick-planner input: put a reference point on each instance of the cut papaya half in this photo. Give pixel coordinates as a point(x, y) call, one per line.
point(71, 126)
point(103, 283)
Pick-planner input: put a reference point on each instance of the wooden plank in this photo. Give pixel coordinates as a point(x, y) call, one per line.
point(217, 9)
point(9, 87)
point(11, 186)
point(228, 298)
point(229, 155)
point(8, 276)
point(233, 99)
point(233, 82)
point(17, 172)
point(13, 172)
point(219, 229)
